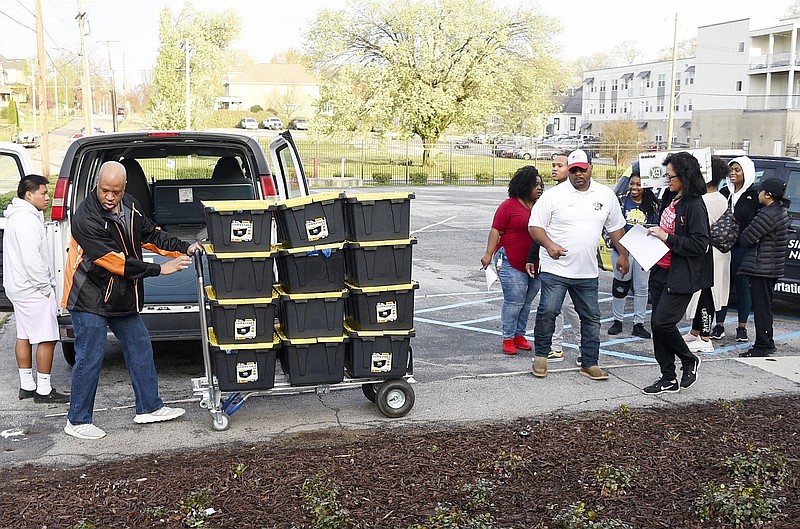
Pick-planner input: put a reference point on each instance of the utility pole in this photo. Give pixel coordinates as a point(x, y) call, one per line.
point(113, 84)
point(188, 92)
point(672, 94)
point(55, 90)
point(88, 119)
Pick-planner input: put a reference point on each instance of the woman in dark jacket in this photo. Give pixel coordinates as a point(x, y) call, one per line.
point(687, 267)
point(765, 241)
point(744, 202)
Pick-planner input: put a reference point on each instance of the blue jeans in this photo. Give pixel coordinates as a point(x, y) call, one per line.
point(584, 296)
point(639, 286)
point(519, 289)
point(90, 349)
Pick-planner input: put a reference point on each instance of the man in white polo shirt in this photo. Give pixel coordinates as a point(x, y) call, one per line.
point(567, 222)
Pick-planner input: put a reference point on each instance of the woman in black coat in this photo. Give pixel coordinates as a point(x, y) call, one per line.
point(687, 267)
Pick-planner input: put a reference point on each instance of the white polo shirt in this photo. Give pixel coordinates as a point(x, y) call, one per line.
point(575, 220)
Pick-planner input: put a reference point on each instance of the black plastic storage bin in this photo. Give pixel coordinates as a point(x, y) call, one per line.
point(311, 268)
point(237, 321)
point(378, 354)
point(239, 225)
point(247, 367)
point(241, 275)
point(318, 315)
point(378, 263)
point(380, 308)
point(310, 220)
point(377, 216)
point(310, 361)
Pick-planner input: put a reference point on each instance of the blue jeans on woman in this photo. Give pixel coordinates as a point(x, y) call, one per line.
point(519, 289)
point(639, 277)
point(741, 282)
point(584, 296)
point(91, 338)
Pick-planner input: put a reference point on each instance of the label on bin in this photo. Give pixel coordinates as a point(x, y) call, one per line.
point(245, 328)
point(381, 362)
point(387, 311)
point(241, 231)
point(317, 229)
point(246, 372)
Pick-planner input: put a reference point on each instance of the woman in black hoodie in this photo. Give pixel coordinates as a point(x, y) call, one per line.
point(687, 267)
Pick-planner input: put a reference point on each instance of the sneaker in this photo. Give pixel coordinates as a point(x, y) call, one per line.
point(689, 337)
point(690, 374)
point(555, 356)
point(26, 393)
point(539, 367)
point(522, 343)
point(718, 332)
point(579, 361)
point(54, 397)
point(662, 386)
point(640, 331)
point(594, 372)
point(741, 334)
point(615, 328)
point(701, 346)
point(509, 348)
point(84, 431)
point(162, 414)
point(755, 353)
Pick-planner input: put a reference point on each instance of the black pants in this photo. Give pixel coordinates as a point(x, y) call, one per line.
point(761, 289)
point(704, 315)
point(668, 310)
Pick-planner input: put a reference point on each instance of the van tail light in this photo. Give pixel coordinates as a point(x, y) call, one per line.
point(59, 203)
point(268, 186)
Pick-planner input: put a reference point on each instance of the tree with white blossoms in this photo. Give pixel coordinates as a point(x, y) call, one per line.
point(209, 35)
point(426, 65)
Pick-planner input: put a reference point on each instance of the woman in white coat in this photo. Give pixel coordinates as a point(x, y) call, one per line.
point(706, 302)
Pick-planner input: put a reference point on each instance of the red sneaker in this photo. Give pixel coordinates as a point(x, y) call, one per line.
point(522, 343)
point(509, 348)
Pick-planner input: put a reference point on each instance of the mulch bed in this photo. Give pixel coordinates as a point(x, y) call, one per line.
point(394, 479)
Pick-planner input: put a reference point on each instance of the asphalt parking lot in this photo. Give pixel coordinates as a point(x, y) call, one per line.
point(460, 371)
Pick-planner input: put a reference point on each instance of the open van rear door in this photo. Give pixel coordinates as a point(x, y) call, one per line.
point(290, 177)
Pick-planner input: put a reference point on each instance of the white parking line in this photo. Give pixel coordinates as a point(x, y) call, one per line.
point(432, 225)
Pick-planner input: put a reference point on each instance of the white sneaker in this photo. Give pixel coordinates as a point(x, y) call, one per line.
point(84, 431)
point(689, 338)
point(162, 414)
point(701, 346)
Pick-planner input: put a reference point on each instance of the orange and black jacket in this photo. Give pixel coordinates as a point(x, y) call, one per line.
point(105, 271)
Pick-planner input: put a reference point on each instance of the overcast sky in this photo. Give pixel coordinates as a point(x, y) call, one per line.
point(270, 26)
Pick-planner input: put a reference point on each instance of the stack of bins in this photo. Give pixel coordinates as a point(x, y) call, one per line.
point(379, 313)
point(312, 292)
point(241, 298)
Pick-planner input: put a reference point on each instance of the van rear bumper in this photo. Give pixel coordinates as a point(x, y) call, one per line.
point(165, 323)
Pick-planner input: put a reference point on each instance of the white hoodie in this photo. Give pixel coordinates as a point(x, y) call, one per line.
point(749, 170)
point(27, 261)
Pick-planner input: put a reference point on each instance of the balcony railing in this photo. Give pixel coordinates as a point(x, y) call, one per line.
point(774, 60)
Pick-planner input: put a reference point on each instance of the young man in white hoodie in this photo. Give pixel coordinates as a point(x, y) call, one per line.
point(29, 282)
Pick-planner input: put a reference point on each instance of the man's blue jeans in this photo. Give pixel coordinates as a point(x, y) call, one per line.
point(584, 296)
point(519, 289)
point(90, 349)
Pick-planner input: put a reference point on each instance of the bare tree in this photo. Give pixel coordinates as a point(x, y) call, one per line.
point(627, 52)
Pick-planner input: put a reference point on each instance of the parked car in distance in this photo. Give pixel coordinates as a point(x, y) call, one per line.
point(271, 123)
point(298, 124)
point(27, 138)
point(248, 124)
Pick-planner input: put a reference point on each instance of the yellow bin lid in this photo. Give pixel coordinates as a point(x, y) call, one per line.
point(391, 242)
point(212, 340)
point(209, 249)
point(374, 197)
point(383, 288)
point(312, 295)
point(308, 341)
point(377, 334)
point(307, 249)
point(309, 199)
point(212, 296)
point(238, 205)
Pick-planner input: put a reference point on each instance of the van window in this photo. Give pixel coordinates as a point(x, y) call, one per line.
point(290, 171)
point(793, 192)
point(10, 168)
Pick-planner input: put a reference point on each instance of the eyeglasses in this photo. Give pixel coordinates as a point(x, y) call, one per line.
point(671, 176)
point(578, 170)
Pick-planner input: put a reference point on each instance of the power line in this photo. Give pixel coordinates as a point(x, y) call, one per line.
point(17, 21)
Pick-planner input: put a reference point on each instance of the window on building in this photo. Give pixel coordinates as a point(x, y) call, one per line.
point(689, 105)
point(738, 86)
point(741, 47)
point(556, 123)
point(677, 83)
point(625, 84)
point(614, 85)
point(625, 107)
point(573, 123)
point(613, 107)
point(602, 108)
point(660, 105)
point(649, 82)
point(602, 87)
point(689, 79)
point(659, 136)
point(662, 80)
point(647, 106)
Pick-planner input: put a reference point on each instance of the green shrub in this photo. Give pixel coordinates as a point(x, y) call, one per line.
point(738, 505)
point(577, 516)
point(256, 108)
point(381, 178)
point(320, 502)
point(760, 466)
point(449, 177)
point(614, 481)
point(419, 179)
point(483, 178)
point(456, 519)
point(192, 172)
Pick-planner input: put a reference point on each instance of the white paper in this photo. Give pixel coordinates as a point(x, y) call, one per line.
point(646, 249)
point(491, 277)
